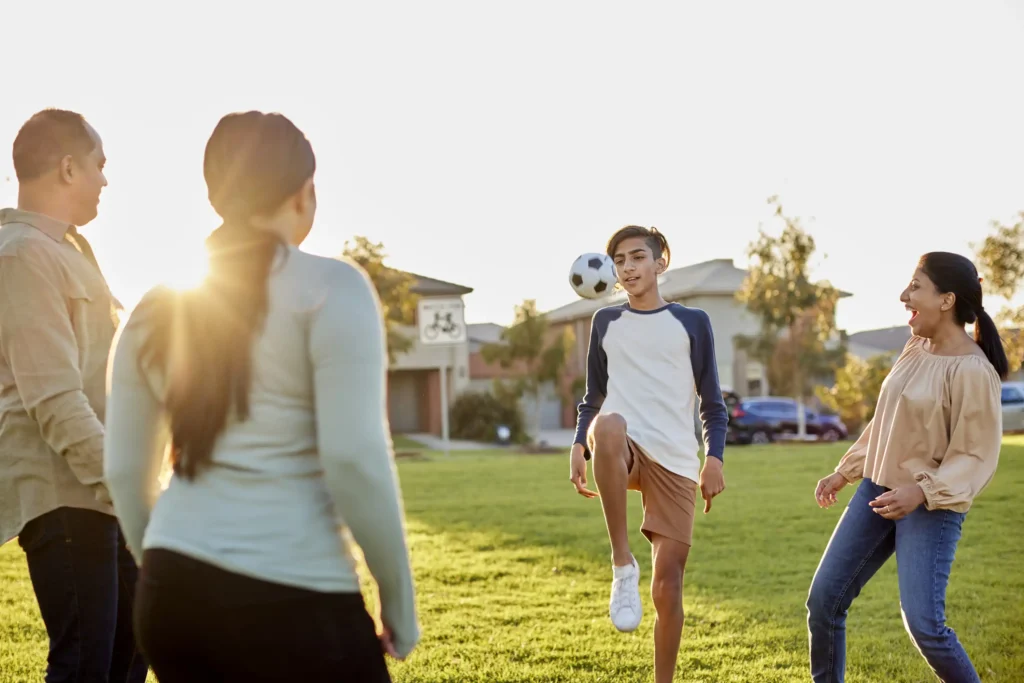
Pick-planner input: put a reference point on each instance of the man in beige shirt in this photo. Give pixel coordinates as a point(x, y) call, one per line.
point(57, 322)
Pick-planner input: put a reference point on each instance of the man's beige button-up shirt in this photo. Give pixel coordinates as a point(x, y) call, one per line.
point(57, 322)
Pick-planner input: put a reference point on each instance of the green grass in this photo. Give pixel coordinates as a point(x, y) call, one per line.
point(512, 573)
point(404, 443)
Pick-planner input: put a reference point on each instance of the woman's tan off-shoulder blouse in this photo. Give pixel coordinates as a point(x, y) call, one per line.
point(939, 424)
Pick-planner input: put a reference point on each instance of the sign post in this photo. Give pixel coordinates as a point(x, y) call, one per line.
point(441, 323)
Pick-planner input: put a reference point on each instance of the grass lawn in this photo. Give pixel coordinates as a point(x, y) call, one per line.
point(512, 570)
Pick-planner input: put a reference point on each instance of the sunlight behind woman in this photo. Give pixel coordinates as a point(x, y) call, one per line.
point(187, 272)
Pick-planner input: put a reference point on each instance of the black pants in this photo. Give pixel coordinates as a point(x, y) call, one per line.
point(84, 580)
point(198, 623)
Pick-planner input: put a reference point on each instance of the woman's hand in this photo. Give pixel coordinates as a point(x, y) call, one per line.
point(898, 503)
point(827, 489)
point(387, 644)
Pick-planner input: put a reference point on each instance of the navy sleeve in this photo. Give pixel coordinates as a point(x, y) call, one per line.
point(597, 384)
point(713, 413)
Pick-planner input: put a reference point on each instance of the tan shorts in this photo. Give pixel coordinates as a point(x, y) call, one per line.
point(669, 499)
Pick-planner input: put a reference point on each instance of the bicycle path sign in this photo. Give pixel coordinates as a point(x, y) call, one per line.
point(440, 321)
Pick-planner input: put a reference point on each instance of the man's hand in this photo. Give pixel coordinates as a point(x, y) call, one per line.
point(712, 481)
point(898, 503)
point(578, 471)
point(827, 489)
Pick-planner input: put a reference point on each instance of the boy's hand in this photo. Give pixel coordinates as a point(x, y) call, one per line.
point(578, 471)
point(712, 481)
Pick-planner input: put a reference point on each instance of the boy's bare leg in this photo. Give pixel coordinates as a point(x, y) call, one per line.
point(667, 594)
point(612, 461)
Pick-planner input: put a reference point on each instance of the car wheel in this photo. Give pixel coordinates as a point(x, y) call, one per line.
point(830, 435)
point(760, 438)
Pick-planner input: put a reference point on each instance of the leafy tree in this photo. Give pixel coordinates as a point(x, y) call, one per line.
point(796, 341)
point(394, 287)
point(534, 352)
point(1001, 257)
point(854, 395)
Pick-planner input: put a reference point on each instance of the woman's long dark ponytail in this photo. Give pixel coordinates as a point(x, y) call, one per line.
point(201, 340)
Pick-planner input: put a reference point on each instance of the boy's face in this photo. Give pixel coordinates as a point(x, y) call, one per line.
point(636, 267)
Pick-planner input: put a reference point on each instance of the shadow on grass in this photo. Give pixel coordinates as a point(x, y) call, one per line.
point(753, 559)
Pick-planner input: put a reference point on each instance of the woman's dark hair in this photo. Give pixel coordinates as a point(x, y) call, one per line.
point(654, 240)
point(953, 273)
point(201, 340)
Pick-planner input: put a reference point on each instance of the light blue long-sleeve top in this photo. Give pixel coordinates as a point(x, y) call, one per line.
point(314, 458)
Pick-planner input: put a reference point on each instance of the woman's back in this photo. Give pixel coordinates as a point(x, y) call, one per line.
point(261, 507)
point(312, 457)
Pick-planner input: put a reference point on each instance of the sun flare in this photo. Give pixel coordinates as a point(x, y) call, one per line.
point(187, 273)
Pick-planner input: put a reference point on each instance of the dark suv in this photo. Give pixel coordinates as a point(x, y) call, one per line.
point(765, 419)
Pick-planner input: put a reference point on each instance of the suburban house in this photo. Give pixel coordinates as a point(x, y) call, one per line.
point(414, 382)
point(414, 379)
point(710, 286)
point(889, 341)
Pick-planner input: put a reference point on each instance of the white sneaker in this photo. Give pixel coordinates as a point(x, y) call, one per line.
point(624, 607)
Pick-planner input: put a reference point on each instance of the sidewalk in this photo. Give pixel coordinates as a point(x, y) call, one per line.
point(436, 443)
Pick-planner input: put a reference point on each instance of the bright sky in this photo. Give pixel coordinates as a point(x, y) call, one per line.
point(489, 144)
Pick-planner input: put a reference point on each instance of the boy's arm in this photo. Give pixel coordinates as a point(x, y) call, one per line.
point(597, 386)
point(713, 413)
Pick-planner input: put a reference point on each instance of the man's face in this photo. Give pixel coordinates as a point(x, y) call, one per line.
point(636, 267)
point(85, 176)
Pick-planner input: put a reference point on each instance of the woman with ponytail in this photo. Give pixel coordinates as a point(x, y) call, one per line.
point(266, 386)
point(931, 448)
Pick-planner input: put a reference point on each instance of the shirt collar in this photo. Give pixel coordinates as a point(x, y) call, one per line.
point(51, 227)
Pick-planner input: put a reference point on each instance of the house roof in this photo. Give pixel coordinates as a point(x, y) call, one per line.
point(718, 277)
point(428, 286)
point(884, 340)
point(481, 334)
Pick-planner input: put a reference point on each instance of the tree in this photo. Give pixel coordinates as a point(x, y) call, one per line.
point(394, 288)
point(796, 340)
point(529, 348)
point(1001, 257)
point(854, 395)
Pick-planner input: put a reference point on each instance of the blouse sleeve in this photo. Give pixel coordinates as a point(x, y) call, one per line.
point(851, 466)
point(975, 437)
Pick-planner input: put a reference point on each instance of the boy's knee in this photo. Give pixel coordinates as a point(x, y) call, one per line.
point(667, 592)
point(609, 426)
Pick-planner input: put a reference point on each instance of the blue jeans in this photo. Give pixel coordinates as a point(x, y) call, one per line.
point(924, 542)
point(84, 581)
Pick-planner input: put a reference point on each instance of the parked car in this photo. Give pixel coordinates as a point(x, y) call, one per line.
point(764, 419)
point(1013, 406)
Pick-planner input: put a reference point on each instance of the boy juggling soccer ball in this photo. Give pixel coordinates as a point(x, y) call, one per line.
point(649, 360)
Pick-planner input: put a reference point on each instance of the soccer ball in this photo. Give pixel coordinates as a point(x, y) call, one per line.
point(592, 276)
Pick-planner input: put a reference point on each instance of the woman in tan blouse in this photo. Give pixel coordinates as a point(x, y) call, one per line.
point(931, 448)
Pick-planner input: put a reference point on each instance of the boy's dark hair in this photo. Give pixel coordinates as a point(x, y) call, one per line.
point(46, 138)
point(654, 240)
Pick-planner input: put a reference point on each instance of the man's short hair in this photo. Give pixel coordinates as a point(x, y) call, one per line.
point(48, 137)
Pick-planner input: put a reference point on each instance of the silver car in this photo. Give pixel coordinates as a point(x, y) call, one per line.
point(1013, 406)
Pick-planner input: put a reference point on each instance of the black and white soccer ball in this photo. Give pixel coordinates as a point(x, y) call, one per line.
point(592, 276)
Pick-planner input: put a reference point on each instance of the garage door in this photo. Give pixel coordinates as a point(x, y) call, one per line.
point(404, 391)
point(550, 409)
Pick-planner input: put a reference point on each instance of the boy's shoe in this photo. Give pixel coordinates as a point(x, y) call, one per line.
point(624, 607)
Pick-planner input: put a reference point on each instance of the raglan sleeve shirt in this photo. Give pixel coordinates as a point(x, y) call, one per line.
point(597, 385)
point(714, 414)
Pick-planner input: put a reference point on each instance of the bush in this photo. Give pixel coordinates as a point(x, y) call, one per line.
point(476, 415)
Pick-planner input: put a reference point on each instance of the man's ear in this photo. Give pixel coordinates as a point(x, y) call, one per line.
point(661, 265)
point(66, 168)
